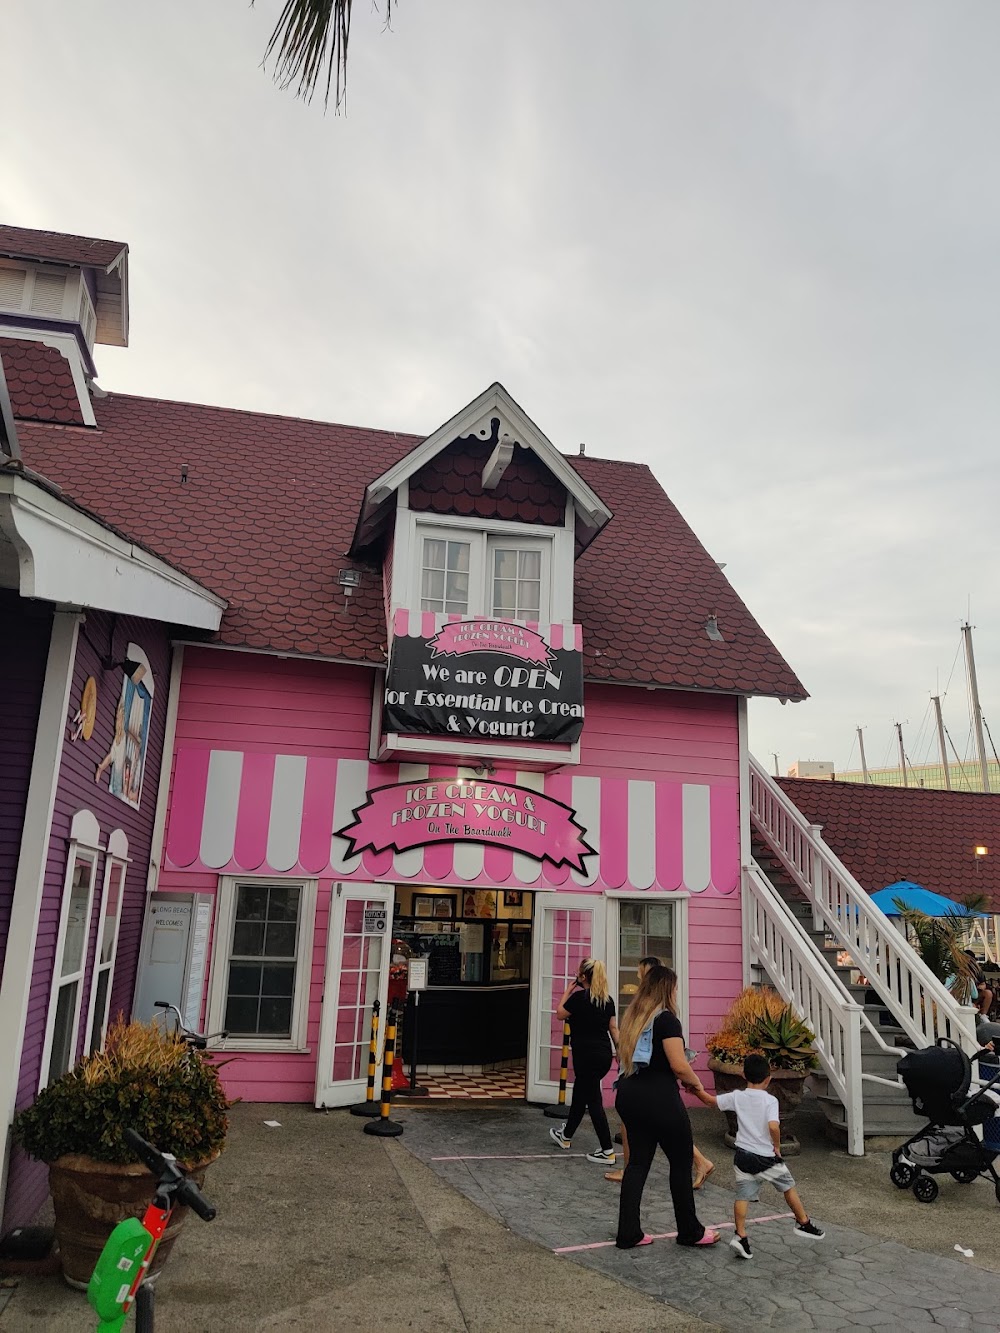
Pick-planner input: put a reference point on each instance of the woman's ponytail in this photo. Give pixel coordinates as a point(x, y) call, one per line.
point(596, 973)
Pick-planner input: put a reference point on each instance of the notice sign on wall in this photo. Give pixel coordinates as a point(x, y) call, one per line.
point(405, 815)
point(484, 679)
point(376, 920)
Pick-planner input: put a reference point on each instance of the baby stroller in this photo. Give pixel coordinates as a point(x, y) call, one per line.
point(938, 1079)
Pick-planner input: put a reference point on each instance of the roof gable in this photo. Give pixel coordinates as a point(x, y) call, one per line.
point(107, 259)
point(495, 418)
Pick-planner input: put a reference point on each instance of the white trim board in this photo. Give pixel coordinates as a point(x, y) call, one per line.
point(19, 959)
point(68, 557)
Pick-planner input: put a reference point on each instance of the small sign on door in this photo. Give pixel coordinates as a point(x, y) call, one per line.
point(416, 974)
point(376, 921)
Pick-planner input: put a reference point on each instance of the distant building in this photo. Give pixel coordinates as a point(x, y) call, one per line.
point(964, 777)
point(812, 768)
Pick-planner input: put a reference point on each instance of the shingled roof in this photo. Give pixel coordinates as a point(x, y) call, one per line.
point(885, 834)
point(58, 248)
point(40, 382)
point(268, 509)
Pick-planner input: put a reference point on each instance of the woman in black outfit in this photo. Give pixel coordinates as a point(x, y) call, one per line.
point(592, 1030)
point(650, 1106)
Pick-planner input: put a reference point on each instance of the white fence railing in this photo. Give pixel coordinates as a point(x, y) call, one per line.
point(921, 1005)
point(801, 977)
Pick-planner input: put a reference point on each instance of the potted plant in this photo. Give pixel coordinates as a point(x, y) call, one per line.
point(760, 1022)
point(146, 1080)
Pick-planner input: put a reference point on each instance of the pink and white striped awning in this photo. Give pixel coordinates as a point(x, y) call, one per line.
point(236, 812)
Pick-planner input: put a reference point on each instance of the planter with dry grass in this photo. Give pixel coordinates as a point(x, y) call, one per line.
point(146, 1080)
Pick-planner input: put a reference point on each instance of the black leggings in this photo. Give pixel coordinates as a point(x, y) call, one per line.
point(653, 1113)
point(587, 1076)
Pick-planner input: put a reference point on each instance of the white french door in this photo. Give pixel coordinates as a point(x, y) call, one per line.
point(568, 927)
point(358, 953)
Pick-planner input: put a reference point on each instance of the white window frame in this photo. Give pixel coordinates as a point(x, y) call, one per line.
point(555, 543)
point(225, 917)
point(84, 845)
point(116, 857)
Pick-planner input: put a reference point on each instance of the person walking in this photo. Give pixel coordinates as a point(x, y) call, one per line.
point(650, 1106)
point(593, 1034)
point(703, 1168)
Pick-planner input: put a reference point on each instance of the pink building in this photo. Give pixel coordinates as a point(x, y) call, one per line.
point(471, 700)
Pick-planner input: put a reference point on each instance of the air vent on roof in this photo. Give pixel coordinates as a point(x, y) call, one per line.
point(12, 288)
point(47, 296)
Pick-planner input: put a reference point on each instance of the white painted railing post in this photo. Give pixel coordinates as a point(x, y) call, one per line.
point(854, 1107)
point(817, 875)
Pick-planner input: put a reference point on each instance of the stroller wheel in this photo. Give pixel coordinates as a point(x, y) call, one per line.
point(901, 1174)
point(925, 1188)
point(965, 1177)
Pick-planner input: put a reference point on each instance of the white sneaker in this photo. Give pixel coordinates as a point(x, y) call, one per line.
point(740, 1246)
point(557, 1136)
point(602, 1155)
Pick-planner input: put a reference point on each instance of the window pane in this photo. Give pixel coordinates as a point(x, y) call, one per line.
point(280, 941)
point(275, 1018)
point(283, 903)
point(530, 564)
point(528, 600)
point(62, 1034)
point(434, 553)
point(432, 586)
point(457, 588)
point(111, 911)
point(248, 939)
point(241, 1016)
point(278, 980)
point(251, 902)
point(645, 930)
point(504, 564)
point(244, 979)
point(505, 597)
point(458, 556)
point(100, 1004)
point(76, 919)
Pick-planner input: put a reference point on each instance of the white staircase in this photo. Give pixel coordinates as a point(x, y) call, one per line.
point(805, 912)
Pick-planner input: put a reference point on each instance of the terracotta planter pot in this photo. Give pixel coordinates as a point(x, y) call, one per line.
point(90, 1199)
point(786, 1084)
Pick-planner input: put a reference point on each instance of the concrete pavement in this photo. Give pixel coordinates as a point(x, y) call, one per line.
point(324, 1228)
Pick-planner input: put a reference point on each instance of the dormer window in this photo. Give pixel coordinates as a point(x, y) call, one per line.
point(482, 573)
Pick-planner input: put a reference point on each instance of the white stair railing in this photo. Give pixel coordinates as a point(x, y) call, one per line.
point(986, 931)
point(921, 1005)
point(799, 974)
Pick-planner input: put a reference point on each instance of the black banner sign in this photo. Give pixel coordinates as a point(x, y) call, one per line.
point(484, 680)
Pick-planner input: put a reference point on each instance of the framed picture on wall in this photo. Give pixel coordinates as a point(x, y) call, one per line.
point(439, 905)
point(513, 897)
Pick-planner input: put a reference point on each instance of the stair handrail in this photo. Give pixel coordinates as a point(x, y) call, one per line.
point(802, 978)
point(922, 1006)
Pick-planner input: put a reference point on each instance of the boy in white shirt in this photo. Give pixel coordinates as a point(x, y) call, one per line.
point(758, 1153)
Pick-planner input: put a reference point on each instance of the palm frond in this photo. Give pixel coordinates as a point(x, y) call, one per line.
point(309, 41)
point(941, 945)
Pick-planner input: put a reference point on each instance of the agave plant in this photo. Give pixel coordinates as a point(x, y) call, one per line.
point(786, 1040)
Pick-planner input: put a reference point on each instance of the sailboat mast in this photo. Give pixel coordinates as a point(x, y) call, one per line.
point(864, 761)
point(977, 712)
point(902, 753)
point(936, 701)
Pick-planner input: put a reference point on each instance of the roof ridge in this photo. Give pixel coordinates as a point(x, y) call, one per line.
point(112, 395)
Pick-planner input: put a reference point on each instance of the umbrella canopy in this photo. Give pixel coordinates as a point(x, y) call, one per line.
point(919, 899)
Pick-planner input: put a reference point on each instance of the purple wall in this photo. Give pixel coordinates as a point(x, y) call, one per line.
point(25, 628)
point(27, 1184)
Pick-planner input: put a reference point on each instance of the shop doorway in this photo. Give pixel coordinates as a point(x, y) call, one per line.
point(359, 932)
point(472, 1035)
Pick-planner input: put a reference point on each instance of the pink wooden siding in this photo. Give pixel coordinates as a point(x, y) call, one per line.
point(271, 755)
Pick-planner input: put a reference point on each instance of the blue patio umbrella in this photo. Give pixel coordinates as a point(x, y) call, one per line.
point(918, 898)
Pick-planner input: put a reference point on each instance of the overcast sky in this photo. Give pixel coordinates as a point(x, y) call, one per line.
point(754, 245)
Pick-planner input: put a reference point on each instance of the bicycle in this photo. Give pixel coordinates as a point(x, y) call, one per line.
point(198, 1041)
point(121, 1276)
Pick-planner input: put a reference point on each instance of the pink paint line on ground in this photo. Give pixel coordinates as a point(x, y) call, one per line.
point(512, 1157)
point(669, 1235)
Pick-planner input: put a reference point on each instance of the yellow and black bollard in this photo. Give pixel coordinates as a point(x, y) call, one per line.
point(558, 1112)
point(383, 1126)
point(370, 1106)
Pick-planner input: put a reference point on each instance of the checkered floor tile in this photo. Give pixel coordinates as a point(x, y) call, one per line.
point(504, 1085)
